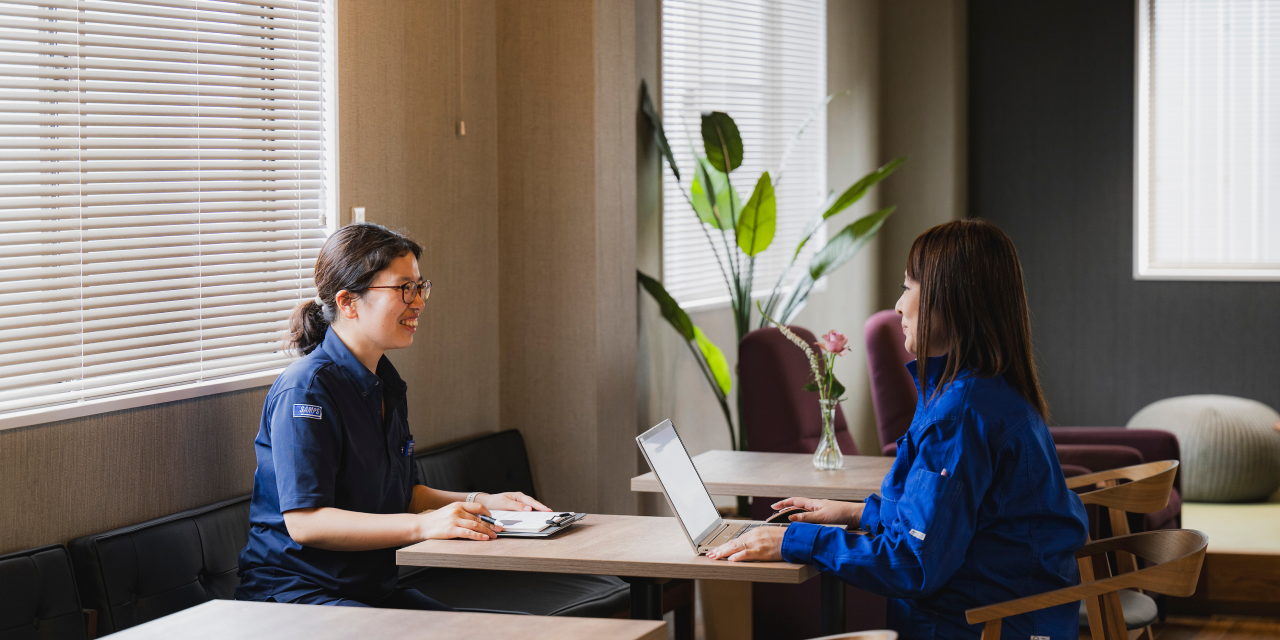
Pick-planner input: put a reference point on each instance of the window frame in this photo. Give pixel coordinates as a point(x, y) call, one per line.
point(1142, 268)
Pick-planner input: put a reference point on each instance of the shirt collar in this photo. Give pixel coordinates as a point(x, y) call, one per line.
point(366, 380)
point(936, 366)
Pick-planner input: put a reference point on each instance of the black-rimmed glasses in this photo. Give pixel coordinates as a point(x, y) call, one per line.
point(410, 290)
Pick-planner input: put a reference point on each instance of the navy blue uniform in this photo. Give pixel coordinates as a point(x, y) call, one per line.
point(1001, 524)
point(324, 442)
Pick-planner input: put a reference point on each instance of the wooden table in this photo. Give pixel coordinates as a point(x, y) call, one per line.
point(785, 475)
point(645, 551)
point(223, 619)
point(782, 475)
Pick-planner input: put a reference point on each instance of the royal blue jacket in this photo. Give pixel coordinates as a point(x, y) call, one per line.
point(999, 525)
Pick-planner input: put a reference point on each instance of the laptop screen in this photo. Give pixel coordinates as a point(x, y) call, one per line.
point(680, 480)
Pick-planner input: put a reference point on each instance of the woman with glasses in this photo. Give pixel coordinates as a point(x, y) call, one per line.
point(336, 489)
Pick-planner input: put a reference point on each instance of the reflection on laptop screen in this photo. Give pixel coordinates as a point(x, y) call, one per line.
point(674, 468)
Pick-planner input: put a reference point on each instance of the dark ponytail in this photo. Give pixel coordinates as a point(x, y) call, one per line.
point(349, 260)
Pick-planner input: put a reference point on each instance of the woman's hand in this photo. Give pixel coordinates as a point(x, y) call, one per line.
point(510, 501)
point(762, 544)
point(823, 511)
point(457, 520)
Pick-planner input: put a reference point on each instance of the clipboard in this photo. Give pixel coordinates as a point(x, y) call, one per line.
point(561, 525)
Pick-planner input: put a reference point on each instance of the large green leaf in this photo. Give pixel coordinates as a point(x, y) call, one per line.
point(727, 201)
point(715, 360)
point(759, 219)
point(670, 308)
point(855, 192)
point(847, 243)
point(659, 135)
point(722, 141)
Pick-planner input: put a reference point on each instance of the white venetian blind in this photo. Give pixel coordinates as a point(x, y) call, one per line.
point(161, 191)
point(764, 62)
point(1208, 179)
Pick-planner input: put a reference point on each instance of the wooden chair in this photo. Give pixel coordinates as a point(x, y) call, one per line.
point(878, 634)
point(1147, 490)
point(1176, 556)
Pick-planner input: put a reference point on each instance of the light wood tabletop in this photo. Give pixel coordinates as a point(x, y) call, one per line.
point(633, 546)
point(222, 619)
point(781, 475)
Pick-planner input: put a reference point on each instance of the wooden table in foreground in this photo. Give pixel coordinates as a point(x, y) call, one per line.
point(222, 619)
point(646, 551)
point(781, 475)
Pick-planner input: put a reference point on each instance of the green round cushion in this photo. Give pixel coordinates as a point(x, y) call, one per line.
point(1230, 446)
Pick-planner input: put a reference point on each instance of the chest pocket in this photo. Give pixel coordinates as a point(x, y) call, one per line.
point(926, 499)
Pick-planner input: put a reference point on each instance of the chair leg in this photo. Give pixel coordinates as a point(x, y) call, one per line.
point(1114, 617)
point(991, 630)
point(1092, 605)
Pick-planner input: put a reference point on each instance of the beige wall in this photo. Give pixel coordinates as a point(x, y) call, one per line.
point(567, 245)
point(408, 71)
point(923, 54)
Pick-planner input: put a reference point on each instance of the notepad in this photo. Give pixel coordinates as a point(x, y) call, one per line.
point(532, 521)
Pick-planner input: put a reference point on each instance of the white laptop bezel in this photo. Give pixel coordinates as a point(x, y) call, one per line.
point(694, 542)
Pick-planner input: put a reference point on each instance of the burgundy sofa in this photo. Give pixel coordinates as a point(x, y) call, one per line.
point(1080, 449)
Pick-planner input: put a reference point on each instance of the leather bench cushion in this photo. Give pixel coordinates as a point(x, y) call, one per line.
point(38, 597)
point(542, 594)
point(146, 571)
point(492, 463)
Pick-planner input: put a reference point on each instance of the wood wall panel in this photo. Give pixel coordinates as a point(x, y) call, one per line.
point(409, 70)
point(66, 479)
point(567, 235)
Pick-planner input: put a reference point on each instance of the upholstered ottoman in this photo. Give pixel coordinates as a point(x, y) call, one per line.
point(1230, 446)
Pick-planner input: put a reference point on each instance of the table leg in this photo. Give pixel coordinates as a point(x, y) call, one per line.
point(831, 618)
point(646, 598)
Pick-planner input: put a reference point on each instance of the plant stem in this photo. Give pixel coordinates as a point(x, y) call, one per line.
point(715, 387)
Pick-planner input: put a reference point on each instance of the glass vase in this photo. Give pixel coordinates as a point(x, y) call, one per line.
point(828, 456)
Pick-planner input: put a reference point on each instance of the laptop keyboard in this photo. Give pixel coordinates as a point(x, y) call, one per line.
point(753, 526)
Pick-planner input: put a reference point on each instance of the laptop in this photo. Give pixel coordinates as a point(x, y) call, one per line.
point(685, 492)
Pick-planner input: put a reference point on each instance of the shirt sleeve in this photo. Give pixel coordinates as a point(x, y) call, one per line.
point(306, 447)
point(915, 548)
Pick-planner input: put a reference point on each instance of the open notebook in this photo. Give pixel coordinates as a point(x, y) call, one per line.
point(534, 523)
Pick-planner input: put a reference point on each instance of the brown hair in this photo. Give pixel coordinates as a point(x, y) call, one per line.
point(349, 260)
point(971, 286)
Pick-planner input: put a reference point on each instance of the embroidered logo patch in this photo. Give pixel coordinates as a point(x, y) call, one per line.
point(1039, 637)
point(913, 532)
point(307, 411)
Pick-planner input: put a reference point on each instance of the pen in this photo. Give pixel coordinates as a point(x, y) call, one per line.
point(487, 519)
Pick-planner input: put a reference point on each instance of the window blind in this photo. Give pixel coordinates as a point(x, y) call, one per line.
point(764, 63)
point(1208, 123)
point(161, 191)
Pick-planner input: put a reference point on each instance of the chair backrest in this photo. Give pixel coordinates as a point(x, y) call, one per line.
point(778, 415)
point(1175, 557)
point(491, 463)
point(38, 596)
point(146, 571)
point(1147, 489)
point(893, 392)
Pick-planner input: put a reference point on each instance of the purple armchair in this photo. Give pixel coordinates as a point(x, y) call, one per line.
point(1080, 449)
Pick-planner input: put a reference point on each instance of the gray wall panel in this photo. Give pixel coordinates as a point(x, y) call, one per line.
point(1051, 161)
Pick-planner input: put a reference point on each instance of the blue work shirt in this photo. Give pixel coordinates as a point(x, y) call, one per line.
point(1000, 525)
point(324, 442)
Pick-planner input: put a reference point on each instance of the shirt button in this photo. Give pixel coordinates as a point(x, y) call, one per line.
point(364, 393)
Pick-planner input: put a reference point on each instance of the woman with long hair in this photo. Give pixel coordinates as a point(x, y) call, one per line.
point(975, 509)
point(336, 489)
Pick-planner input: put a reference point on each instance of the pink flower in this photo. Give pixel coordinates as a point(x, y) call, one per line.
point(835, 342)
